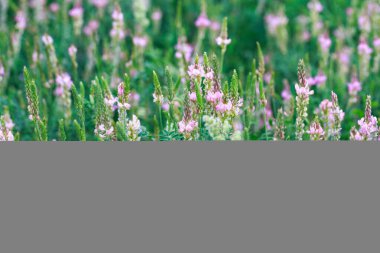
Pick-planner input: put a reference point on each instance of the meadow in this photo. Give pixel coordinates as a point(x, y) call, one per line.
point(203, 70)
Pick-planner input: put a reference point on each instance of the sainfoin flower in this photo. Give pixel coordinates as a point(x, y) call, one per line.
point(315, 5)
point(324, 42)
point(196, 71)
point(76, 12)
point(134, 128)
point(100, 3)
point(72, 50)
point(202, 21)
point(316, 131)
point(187, 127)
point(104, 132)
point(47, 40)
point(184, 49)
point(222, 42)
point(91, 27)
point(303, 92)
point(140, 41)
point(364, 48)
point(368, 125)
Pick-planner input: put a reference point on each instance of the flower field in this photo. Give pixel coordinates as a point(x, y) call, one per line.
point(167, 70)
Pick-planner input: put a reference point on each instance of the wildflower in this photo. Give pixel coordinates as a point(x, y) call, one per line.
point(303, 93)
point(354, 87)
point(214, 97)
point(72, 51)
point(336, 118)
point(286, 93)
point(183, 50)
point(187, 125)
point(320, 79)
point(141, 42)
point(222, 42)
point(364, 49)
point(202, 21)
point(315, 6)
point(316, 131)
point(54, 7)
point(64, 80)
point(103, 132)
point(134, 129)
point(100, 4)
point(274, 21)
point(2, 71)
point(364, 58)
point(111, 102)
point(368, 125)
point(91, 27)
point(117, 31)
point(376, 43)
point(196, 71)
point(157, 15)
point(76, 12)
point(47, 40)
point(20, 20)
point(364, 23)
point(134, 98)
point(215, 26)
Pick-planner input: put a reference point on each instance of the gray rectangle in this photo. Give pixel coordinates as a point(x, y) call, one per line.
point(189, 197)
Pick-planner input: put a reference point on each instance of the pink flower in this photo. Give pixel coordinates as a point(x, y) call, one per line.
point(47, 40)
point(72, 50)
point(165, 106)
point(209, 75)
point(316, 131)
point(134, 98)
point(303, 92)
point(20, 20)
point(364, 23)
point(54, 7)
point(315, 6)
point(196, 71)
point(183, 50)
point(368, 128)
point(354, 87)
point(286, 94)
point(141, 42)
point(214, 97)
point(157, 15)
point(364, 49)
point(324, 42)
point(325, 105)
point(275, 21)
point(193, 96)
point(2, 71)
point(376, 43)
point(76, 12)
point(215, 26)
point(125, 106)
point(222, 42)
point(117, 15)
point(187, 127)
point(202, 21)
point(111, 102)
point(64, 80)
point(59, 91)
point(91, 27)
point(100, 4)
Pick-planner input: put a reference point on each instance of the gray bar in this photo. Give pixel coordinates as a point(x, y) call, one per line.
point(189, 197)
